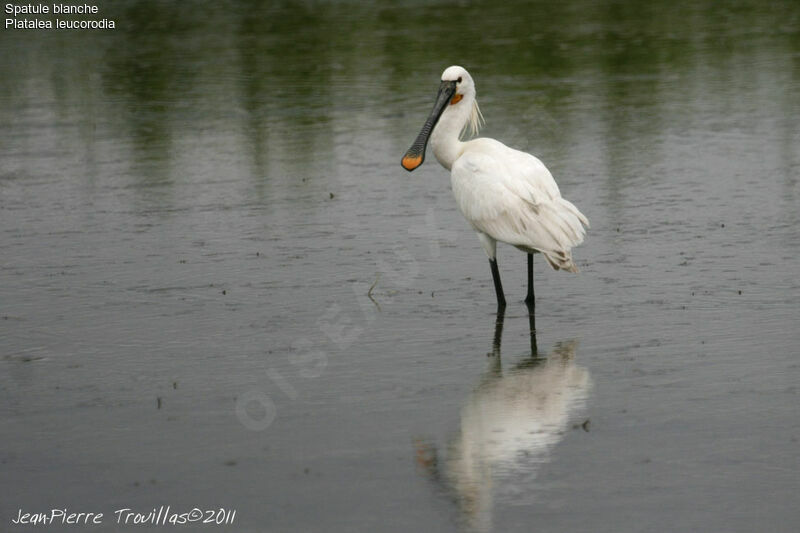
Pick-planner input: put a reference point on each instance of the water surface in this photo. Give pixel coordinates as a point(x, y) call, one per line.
point(195, 205)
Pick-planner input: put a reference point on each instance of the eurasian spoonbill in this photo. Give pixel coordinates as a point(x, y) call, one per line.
point(506, 195)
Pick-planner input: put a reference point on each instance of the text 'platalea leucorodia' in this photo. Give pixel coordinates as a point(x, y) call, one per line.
point(506, 195)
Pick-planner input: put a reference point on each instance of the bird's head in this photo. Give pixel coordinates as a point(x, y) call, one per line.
point(456, 88)
point(464, 86)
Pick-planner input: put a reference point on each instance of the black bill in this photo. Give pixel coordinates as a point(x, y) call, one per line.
point(416, 154)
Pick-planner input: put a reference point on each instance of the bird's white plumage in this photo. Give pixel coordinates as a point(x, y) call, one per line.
point(505, 194)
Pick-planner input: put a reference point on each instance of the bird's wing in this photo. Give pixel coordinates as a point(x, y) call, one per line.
point(502, 197)
point(528, 177)
point(539, 183)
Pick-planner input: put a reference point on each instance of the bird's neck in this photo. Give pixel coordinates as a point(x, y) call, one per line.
point(447, 147)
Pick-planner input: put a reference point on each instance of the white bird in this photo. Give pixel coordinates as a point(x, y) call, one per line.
point(506, 195)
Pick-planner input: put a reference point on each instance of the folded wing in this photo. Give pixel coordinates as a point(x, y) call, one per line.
point(512, 197)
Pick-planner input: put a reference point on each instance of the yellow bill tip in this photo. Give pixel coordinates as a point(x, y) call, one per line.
point(410, 162)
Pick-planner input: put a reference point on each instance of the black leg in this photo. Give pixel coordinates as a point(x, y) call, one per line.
point(498, 331)
point(530, 299)
point(498, 286)
point(532, 326)
point(534, 360)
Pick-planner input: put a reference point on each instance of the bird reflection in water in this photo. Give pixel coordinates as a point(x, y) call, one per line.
point(509, 425)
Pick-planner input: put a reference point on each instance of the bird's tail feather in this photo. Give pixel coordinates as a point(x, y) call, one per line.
point(574, 210)
point(569, 223)
point(551, 228)
point(561, 261)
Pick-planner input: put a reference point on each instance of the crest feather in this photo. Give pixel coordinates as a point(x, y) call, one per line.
point(475, 122)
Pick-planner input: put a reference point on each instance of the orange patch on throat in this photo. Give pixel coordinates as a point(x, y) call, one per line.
point(411, 162)
point(456, 99)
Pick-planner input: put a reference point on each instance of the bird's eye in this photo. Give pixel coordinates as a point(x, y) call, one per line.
point(459, 79)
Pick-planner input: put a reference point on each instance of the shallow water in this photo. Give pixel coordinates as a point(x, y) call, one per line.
point(195, 206)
